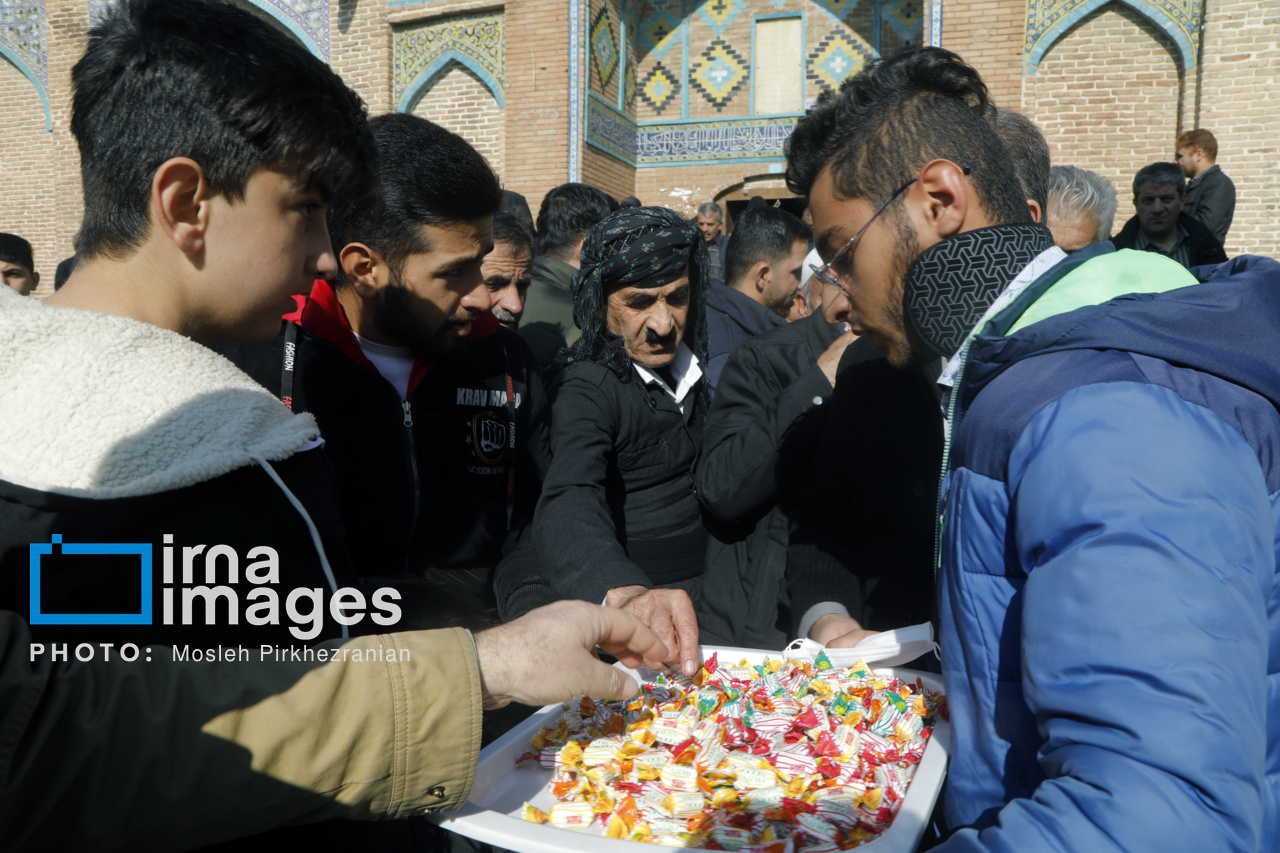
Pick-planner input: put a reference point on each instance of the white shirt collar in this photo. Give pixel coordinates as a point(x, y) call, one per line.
point(1032, 271)
point(685, 370)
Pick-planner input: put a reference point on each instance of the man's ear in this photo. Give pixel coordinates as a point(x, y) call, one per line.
point(1037, 215)
point(180, 196)
point(943, 198)
point(365, 270)
point(761, 274)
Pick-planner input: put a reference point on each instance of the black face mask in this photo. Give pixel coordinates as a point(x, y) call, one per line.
point(950, 285)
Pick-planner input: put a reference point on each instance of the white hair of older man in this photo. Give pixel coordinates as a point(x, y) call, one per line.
point(1076, 193)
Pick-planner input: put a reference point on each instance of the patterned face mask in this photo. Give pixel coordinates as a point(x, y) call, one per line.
point(950, 285)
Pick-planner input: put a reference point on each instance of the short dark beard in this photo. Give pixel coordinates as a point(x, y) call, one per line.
point(416, 323)
point(905, 252)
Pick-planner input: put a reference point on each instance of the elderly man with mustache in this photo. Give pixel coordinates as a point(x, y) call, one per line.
point(619, 521)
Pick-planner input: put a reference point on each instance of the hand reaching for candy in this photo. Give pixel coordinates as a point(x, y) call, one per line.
point(548, 655)
point(669, 613)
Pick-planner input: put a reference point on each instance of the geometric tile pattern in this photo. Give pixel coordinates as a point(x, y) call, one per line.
point(421, 51)
point(906, 17)
point(604, 46)
point(1048, 20)
point(836, 58)
point(660, 88)
point(719, 13)
point(658, 32)
point(718, 73)
point(22, 34)
point(838, 8)
point(629, 86)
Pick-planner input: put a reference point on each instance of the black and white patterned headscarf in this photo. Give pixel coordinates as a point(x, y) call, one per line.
point(636, 247)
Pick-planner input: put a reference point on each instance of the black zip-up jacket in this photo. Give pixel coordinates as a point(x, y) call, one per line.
point(758, 441)
point(619, 505)
point(1211, 199)
point(425, 485)
point(1204, 247)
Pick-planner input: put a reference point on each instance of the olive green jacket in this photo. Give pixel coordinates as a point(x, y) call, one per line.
point(110, 755)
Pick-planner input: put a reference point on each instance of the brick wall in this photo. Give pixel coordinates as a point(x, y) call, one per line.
point(537, 58)
point(1240, 104)
point(989, 35)
point(40, 169)
point(463, 104)
point(360, 51)
point(1106, 95)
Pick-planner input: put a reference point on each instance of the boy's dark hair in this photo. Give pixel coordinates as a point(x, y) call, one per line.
point(567, 213)
point(1158, 174)
point(1026, 145)
point(631, 201)
point(426, 176)
point(205, 80)
point(761, 234)
point(897, 115)
point(15, 250)
point(509, 229)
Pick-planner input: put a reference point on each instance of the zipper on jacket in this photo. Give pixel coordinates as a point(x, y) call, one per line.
point(939, 517)
point(413, 471)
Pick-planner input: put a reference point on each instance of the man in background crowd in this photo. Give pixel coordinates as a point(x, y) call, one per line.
point(1161, 225)
point(567, 213)
point(506, 269)
point(17, 266)
point(711, 224)
point(765, 261)
point(1030, 154)
point(1082, 207)
point(1211, 195)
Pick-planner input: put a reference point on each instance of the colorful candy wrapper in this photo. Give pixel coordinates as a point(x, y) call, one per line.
point(571, 815)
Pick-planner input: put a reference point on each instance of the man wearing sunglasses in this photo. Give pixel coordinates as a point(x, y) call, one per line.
point(1107, 565)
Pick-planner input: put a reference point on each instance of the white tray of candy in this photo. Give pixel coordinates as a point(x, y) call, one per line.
point(493, 813)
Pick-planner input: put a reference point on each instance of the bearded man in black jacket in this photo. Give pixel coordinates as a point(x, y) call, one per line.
point(619, 520)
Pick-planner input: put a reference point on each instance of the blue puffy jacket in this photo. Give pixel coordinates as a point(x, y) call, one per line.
point(1110, 612)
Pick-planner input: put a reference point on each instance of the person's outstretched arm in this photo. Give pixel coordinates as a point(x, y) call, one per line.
point(110, 755)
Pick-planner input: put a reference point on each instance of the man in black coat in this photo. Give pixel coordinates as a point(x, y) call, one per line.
point(619, 520)
point(1211, 195)
point(1161, 226)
